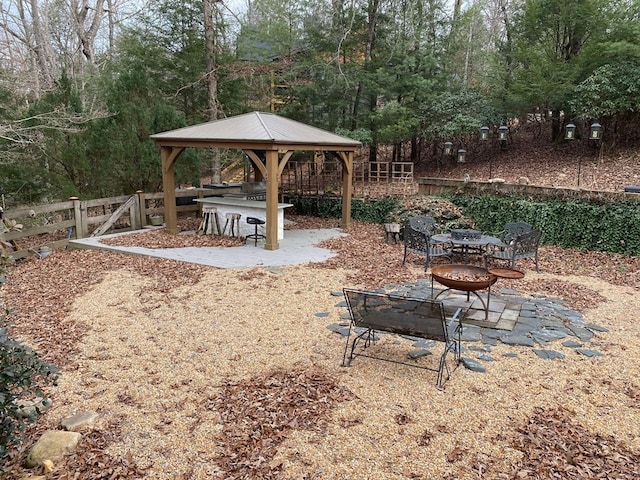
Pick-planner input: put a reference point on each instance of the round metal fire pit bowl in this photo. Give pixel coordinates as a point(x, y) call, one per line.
point(442, 274)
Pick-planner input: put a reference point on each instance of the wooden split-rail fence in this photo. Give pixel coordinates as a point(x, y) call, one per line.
point(36, 229)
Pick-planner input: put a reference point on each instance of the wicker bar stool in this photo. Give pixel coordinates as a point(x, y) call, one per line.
point(256, 222)
point(210, 221)
point(233, 221)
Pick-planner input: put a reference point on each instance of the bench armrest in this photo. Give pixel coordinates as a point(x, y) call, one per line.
point(453, 323)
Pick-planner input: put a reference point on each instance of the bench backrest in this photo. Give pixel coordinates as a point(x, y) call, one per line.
point(396, 314)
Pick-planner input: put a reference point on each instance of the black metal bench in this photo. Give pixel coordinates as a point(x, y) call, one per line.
point(416, 317)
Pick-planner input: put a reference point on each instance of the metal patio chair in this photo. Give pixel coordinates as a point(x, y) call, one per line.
point(420, 243)
point(522, 246)
point(512, 229)
point(424, 224)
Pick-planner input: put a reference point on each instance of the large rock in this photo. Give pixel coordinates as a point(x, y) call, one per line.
point(52, 445)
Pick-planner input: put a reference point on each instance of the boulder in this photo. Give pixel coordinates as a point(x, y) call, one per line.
point(52, 445)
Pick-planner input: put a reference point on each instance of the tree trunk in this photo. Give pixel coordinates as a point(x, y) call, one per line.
point(212, 81)
point(41, 46)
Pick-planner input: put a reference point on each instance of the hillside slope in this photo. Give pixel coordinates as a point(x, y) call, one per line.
point(531, 156)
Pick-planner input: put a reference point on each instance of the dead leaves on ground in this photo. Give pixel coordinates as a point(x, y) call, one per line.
point(259, 413)
point(40, 293)
point(555, 446)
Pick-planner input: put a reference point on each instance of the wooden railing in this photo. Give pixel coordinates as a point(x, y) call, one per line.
point(30, 230)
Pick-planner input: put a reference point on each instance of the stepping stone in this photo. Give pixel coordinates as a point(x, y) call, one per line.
point(480, 348)
point(341, 304)
point(571, 344)
point(485, 357)
point(470, 333)
point(345, 316)
point(489, 340)
point(582, 333)
point(322, 314)
point(336, 294)
point(472, 365)
point(527, 313)
point(544, 337)
point(576, 319)
point(339, 328)
point(424, 344)
point(510, 355)
point(418, 353)
point(509, 291)
point(410, 337)
point(528, 323)
point(588, 353)
point(521, 340)
point(596, 328)
point(549, 354)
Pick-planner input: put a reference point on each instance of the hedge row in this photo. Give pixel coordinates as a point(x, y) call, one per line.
point(581, 224)
point(568, 223)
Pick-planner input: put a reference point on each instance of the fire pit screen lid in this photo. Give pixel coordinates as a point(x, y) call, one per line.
point(465, 234)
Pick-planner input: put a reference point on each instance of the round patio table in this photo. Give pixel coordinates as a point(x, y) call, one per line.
point(466, 246)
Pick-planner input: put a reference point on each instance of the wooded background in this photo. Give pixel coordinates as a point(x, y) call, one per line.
point(84, 83)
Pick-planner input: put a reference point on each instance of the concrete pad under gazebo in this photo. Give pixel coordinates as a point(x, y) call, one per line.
point(269, 141)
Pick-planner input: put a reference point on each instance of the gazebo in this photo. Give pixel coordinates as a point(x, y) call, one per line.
point(269, 141)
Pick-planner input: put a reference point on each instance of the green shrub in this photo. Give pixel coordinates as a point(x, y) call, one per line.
point(22, 377)
point(370, 211)
point(568, 223)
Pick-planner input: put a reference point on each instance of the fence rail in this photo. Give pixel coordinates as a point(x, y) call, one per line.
point(26, 231)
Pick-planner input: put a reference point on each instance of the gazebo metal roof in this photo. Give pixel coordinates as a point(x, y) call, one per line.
point(269, 141)
point(257, 127)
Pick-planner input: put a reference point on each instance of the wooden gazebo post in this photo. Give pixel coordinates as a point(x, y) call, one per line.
point(271, 242)
point(347, 187)
point(169, 155)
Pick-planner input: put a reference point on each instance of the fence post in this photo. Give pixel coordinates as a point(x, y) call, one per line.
point(78, 217)
point(134, 214)
point(142, 208)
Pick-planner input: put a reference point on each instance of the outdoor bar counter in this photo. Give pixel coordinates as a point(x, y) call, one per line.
point(246, 208)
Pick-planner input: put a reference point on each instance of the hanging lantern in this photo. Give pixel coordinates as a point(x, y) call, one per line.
point(570, 132)
point(594, 133)
point(502, 133)
point(448, 148)
point(484, 133)
point(461, 155)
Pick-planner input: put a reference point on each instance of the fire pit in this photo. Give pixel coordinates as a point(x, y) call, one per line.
point(463, 277)
point(466, 278)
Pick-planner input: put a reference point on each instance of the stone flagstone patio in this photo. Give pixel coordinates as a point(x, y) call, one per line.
point(534, 321)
